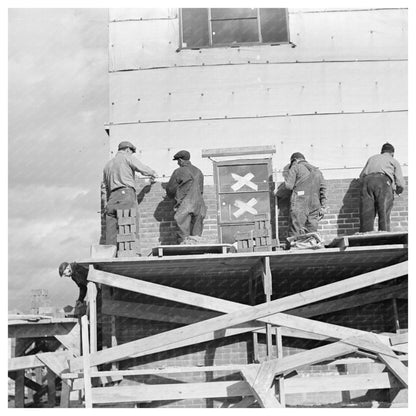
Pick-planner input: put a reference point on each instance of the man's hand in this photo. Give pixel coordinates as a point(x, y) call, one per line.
point(322, 211)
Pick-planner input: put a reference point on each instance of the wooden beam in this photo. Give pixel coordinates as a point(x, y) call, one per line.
point(71, 340)
point(32, 361)
point(397, 368)
point(241, 315)
point(92, 300)
point(268, 290)
point(55, 362)
point(163, 292)
point(137, 310)
point(181, 391)
point(51, 379)
point(399, 338)
point(322, 384)
point(37, 330)
point(239, 151)
point(86, 361)
point(19, 388)
point(265, 397)
point(66, 394)
point(281, 380)
point(349, 302)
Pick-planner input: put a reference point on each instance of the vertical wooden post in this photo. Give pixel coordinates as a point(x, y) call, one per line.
point(92, 300)
point(267, 285)
point(279, 347)
point(86, 362)
point(51, 377)
point(114, 365)
point(19, 385)
point(39, 380)
point(66, 393)
point(396, 315)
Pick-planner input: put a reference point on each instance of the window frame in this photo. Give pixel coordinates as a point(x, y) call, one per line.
point(231, 45)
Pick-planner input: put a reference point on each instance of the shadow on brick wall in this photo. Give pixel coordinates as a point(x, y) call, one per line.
point(348, 217)
point(163, 214)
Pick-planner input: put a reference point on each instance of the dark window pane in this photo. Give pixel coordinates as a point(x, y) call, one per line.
point(195, 28)
point(232, 13)
point(273, 25)
point(234, 31)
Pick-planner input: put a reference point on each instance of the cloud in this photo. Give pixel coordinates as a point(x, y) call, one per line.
point(58, 104)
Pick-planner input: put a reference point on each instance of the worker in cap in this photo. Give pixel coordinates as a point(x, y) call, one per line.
point(308, 198)
point(186, 186)
point(79, 275)
point(118, 187)
point(380, 178)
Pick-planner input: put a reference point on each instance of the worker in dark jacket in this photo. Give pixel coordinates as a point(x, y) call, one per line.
point(186, 186)
point(308, 199)
point(79, 275)
point(118, 186)
point(380, 178)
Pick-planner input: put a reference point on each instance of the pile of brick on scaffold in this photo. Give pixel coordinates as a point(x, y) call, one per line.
point(127, 242)
point(259, 239)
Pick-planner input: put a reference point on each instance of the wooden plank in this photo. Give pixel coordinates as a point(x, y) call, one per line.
point(397, 368)
point(36, 330)
point(51, 378)
point(147, 392)
point(369, 342)
point(349, 302)
point(399, 338)
point(32, 361)
point(138, 310)
point(19, 386)
point(239, 151)
point(265, 398)
point(281, 380)
point(86, 361)
point(321, 384)
point(65, 394)
point(242, 314)
point(72, 340)
point(92, 301)
point(167, 370)
point(55, 362)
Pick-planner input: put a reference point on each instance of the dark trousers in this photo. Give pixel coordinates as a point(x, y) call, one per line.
point(188, 222)
point(304, 214)
point(124, 198)
point(376, 198)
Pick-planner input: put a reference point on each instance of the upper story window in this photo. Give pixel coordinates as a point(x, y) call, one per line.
point(202, 28)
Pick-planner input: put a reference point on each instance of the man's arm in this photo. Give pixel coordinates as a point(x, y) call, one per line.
point(140, 167)
point(363, 172)
point(173, 184)
point(398, 177)
point(290, 179)
point(82, 292)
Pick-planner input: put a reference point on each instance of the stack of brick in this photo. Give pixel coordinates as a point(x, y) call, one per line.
point(127, 242)
point(259, 239)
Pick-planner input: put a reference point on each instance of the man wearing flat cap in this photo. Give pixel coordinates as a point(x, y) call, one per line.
point(186, 186)
point(380, 179)
point(119, 186)
point(308, 199)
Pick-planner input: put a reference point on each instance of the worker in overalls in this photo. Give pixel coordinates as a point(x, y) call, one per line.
point(186, 186)
point(308, 199)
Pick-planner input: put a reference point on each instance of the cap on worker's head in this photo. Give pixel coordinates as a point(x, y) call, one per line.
point(126, 145)
point(62, 267)
point(387, 148)
point(297, 155)
point(182, 154)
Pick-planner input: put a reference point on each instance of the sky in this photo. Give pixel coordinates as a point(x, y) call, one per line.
point(57, 146)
